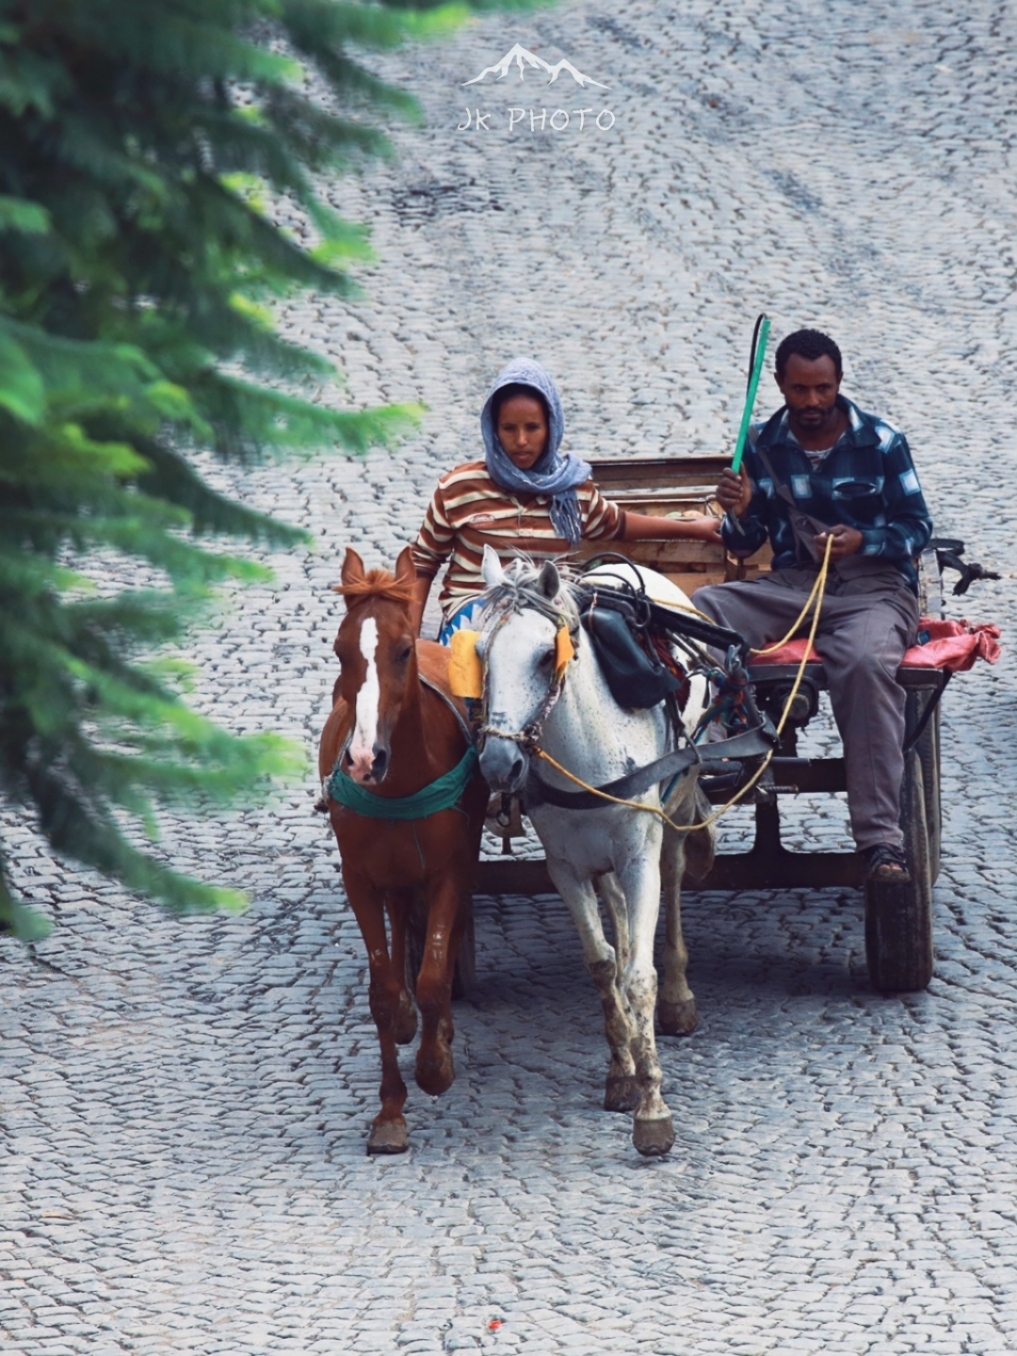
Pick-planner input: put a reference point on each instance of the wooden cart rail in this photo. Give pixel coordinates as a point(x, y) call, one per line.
point(898, 918)
point(670, 486)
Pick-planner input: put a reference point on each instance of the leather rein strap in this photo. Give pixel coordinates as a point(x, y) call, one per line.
point(750, 744)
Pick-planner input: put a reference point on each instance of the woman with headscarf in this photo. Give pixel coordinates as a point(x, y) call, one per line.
point(526, 495)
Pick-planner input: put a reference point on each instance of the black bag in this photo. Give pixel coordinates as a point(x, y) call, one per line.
point(636, 679)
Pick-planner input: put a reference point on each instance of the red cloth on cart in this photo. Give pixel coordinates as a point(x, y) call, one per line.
point(953, 645)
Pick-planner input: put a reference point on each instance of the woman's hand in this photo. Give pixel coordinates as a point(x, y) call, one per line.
point(703, 529)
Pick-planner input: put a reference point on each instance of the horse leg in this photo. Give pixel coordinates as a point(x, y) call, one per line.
point(677, 1002)
point(388, 1129)
point(400, 906)
point(435, 1068)
point(681, 851)
point(614, 901)
point(620, 1091)
point(652, 1126)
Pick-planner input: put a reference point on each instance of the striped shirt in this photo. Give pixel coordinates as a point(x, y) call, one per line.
point(469, 511)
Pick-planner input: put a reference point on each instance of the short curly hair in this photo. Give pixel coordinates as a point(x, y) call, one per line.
point(809, 344)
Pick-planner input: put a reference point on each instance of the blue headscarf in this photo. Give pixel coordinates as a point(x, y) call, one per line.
point(557, 474)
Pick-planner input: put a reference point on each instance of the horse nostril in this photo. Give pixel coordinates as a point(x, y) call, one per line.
point(380, 761)
point(517, 770)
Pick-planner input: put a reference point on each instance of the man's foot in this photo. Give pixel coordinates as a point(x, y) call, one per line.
point(887, 864)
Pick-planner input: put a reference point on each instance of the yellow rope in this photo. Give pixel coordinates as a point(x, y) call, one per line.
point(819, 588)
point(819, 584)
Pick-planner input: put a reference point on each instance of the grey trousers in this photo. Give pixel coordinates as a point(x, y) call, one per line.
point(865, 626)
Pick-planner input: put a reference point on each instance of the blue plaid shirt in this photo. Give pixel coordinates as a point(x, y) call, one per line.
point(867, 481)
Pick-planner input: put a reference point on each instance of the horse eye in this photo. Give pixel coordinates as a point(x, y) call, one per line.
point(546, 659)
point(404, 656)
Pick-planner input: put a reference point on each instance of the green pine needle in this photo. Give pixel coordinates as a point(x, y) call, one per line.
point(144, 150)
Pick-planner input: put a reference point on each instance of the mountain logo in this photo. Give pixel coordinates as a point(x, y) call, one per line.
point(524, 59)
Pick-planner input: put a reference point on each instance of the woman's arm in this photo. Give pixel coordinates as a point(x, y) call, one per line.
point(644, 527)
point(421, 588)
point(430, 552)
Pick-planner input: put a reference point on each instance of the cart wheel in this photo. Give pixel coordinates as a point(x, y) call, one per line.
point(927, 749)
point(898, 918)
point(464, 978)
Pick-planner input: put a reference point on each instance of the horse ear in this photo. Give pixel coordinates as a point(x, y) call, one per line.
point(549, 582)
point(405, 570)
point(491, 569)
point(353, 567)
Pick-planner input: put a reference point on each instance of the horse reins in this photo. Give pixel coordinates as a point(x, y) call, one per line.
point(529, 736)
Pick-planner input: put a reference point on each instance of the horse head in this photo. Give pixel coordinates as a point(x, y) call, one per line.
point(529, 607)
point(376, 649)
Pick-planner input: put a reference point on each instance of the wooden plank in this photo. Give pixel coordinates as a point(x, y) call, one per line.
point(657, 552)
point(650, 472)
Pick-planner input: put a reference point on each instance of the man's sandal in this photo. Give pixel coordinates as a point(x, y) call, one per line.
point(886, 864)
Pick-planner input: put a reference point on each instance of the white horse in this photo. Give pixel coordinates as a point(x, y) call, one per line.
point(622, 852)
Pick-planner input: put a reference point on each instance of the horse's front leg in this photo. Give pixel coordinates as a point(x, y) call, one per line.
point(620, 1091)
point(639, 877)
point(400, 913)
point(435, 1069)
point(388, 1130)
point(614, 901)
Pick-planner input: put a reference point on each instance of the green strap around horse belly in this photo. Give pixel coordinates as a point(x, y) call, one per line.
point(437, 795)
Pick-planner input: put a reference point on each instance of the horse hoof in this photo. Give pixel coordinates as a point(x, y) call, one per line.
point(621, 1092)
point(435, 1073)
point(678, 1019)
point(388, 1137)
point(653, 1138)
point(405, 1026)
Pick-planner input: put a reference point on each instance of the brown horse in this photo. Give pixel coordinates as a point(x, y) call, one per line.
point(392, 733)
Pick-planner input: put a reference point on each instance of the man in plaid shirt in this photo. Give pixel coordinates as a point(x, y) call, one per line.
point(820, 467)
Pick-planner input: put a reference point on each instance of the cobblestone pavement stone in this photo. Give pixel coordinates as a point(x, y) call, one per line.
point(185, 1104)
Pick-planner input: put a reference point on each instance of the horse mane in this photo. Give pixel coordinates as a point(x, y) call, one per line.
point(377, 584)
point(521, 590)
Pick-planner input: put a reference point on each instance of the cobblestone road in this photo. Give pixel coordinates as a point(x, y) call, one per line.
point(185, 1105)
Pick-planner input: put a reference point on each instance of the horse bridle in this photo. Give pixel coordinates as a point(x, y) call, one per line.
point(529, 736)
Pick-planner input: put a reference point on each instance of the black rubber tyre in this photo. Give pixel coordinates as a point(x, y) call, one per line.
point(927, 749)
point(464, 981)
point(898, 918)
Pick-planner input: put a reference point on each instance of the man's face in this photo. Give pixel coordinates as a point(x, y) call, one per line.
point(522, 430)
point(809, 387)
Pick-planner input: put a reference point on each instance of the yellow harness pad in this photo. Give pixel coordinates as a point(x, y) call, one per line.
point(465, 671)
point(564, 650)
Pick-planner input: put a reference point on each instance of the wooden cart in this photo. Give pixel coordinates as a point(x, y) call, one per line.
point(898, 918)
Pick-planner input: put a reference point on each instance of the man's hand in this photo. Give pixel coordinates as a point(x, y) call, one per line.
point(847, 541)
point(734, 492)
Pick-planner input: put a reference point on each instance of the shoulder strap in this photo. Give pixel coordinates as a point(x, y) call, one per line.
point(803, 525)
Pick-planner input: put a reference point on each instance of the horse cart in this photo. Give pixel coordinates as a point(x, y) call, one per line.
point(898, 918)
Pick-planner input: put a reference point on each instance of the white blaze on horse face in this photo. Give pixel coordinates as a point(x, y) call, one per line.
point(365, 731)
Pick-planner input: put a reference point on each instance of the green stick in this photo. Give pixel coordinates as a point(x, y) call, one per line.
point(750, 395)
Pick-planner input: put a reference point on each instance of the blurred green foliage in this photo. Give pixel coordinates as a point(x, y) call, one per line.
point(140, 141)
